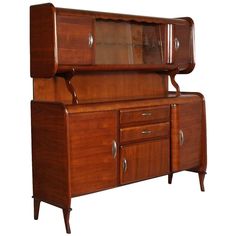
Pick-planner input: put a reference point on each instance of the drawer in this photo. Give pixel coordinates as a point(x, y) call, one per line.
point(157, 114)
point(144, 132)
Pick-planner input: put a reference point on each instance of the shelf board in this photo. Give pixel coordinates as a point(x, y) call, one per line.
point(157, 68)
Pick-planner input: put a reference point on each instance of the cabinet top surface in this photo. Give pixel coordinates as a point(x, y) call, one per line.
point(116, 16)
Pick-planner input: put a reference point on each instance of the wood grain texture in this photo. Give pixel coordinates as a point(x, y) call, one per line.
point(93, 167)
point(144, 132)
point(59, 41)
point(184, 55)
point(136, 103)
point(188, 118)
point(144, 160)
point(143, 115)
point(50, 154)
point(73, 40)
point(123, 17)
point(43, 41)
point(103, 86)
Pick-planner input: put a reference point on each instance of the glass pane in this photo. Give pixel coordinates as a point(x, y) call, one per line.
point(119, 42)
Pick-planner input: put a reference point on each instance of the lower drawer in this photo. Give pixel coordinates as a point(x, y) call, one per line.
point(144, 160)
point(144, 132)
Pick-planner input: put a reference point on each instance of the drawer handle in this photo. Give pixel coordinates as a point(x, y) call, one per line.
point(125, 166)
point(114, 149)
point(146, 114)
point(90, 40)
point(146, 132)
point(181, 137)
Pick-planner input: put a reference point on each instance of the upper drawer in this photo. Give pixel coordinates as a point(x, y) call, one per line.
point(157, 114)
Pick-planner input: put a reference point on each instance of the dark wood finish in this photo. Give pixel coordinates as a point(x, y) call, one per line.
point(144, 132)
point(173, 82)
point(119, 40)
point(102, 115)
point(36, 208)
point(50, 154)
point(170, 177)
point(97, 169)
point(150, 114)
point(96, 68)
point(185, 53)
point(68, 77)
point(186, 118)
point(43, 41)
point(144, 160)
point(103, 87)
point(123, 17)
point(201, 180)
point(133, 103)
point(66, 214)
point(73, 34)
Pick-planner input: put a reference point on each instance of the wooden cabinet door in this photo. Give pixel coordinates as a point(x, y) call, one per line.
point(183, 48)
point(75, 42)
point(92, 149)
point(186, 133)
point(144, 160)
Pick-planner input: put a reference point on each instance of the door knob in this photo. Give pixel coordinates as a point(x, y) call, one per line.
point(181, 137)
point(114, 149)
point(90, 40)
point(125, 165)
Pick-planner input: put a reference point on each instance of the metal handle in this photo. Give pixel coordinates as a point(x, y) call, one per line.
point(146, 114)
point(114, 149)
point(181, 137)
point(146, 132)
point(177, 44)
point(125, 165)
point(90, 40)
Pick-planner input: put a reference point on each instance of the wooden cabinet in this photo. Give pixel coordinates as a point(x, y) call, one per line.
point(102, 115)
point(186, 136)
point(184, 44)
point(74, 39)
point(97, 169)
point(144, 160)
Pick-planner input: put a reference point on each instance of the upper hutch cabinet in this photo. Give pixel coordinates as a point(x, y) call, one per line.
point(63, 40)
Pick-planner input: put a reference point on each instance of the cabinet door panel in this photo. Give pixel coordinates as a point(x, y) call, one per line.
point(93, 166)
point(183, 46)
point(186, 131)
point(73, 40)
point(144, 160)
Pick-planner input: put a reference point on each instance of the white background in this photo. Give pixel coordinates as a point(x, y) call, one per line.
point(151, 207)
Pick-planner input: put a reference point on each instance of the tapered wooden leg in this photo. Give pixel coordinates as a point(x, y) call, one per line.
point(36, 208)
point(201, 180)
point(66, 214)
point(170, 176)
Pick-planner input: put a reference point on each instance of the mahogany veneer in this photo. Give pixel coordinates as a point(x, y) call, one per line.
point(102, 115)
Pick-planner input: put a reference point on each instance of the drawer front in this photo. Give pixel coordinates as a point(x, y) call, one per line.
point(144, 132)
point(144, 160)
point(157, 114)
